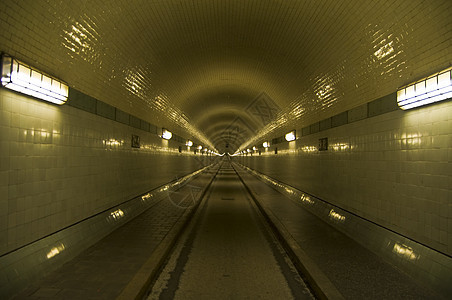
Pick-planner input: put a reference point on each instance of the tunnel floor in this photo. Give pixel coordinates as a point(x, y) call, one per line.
point(229, 253)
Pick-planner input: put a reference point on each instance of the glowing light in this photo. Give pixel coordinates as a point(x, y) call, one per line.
point(189, 143)
point(336, 216)
point(55, 251)
point(166, 134)
point(404, 252)
point(265, 144)
point(435, 88)
point(290, 136)
point(199, 147)
point(21, 78)
point(254, 148)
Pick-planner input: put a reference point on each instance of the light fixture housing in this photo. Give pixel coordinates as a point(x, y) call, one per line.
point(265, 144)
point(24, 79)
point(189, 143)
point(435, 88)
point(290, 136)
point(166, 134)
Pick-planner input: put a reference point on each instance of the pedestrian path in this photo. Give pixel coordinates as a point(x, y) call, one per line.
point(227, 252)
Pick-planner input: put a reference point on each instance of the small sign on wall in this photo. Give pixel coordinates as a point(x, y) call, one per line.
point(323, 144)
point(135, 141)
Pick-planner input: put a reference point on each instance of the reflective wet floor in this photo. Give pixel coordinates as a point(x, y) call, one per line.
point(228, 252)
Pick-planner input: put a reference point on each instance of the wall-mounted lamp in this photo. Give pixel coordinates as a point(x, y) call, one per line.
point(435, 88)
point(290, 136)
point(21, 78)
point(265, 144)
point(166, 134)
point(189, 143)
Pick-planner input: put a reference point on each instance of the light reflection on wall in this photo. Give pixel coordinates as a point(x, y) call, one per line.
point(306, 199)
point(117, 214)
point(113, 143)
point(55, 251)
point(135, 82)
point(81, 39)
point(384, 50)
point(405, 252)
point(160, 103)
point(340, 146)
point(321, 95)
point(290, 150)
point(289, 191)
point(297, 111)
point(411, 139)
point(39, 136)
point(336, 216)
point(309, 149)
point(146, 197)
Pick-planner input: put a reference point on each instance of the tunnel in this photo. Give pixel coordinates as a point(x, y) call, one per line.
point(220, 149)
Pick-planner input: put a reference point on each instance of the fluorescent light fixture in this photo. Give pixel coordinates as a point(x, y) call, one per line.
point(166, 134)
point(290, 136)
point(435, 88)
point(20, 77)
point(265, 144)
point(189, 143)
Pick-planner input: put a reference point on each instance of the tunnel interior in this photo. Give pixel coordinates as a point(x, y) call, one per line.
point(227, 79)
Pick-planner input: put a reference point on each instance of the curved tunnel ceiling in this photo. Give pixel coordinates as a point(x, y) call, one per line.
point(228, 73)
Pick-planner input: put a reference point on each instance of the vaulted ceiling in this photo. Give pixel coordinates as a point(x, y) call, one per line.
point(227, 72)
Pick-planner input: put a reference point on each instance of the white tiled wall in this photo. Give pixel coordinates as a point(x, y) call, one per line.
point(393, 169)
point(59, 165)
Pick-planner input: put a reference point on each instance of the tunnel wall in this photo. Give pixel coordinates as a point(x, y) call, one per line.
point(392, 169)
point(61, 165)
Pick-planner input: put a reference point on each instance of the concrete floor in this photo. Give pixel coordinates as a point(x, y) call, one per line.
point(228, 253)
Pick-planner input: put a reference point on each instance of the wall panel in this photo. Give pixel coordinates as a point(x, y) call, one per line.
point(60, 165)
point(393, 169)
